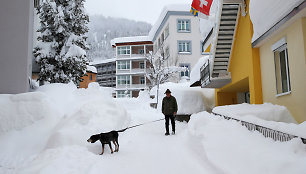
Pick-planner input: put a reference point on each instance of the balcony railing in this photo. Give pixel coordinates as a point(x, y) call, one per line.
point(209, 81)
point(205, 74)
point(140, 56)
point(132, 71)
point(267, 132)
point(133, 86)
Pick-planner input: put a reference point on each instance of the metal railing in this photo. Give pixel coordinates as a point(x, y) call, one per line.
point(267, 132)
point(205, 74)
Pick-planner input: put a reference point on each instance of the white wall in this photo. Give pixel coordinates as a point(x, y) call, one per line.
point(16, 30)
point(174, 36)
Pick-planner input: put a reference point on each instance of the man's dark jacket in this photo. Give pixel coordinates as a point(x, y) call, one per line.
point(169, 105)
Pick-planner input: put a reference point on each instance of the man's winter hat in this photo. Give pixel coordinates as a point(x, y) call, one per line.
point(167, 91)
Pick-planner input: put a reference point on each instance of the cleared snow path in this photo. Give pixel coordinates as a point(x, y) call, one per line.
point(145, 149)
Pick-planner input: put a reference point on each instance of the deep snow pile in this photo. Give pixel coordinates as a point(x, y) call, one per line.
point(19, 111)
point(54, 117)
point(266, 111)
point(189, 100)
point(233, 149)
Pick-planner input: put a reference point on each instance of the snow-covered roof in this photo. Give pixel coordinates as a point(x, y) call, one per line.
point(266, 13)
point(100, 61)
point(91, 69)
point(130, 39)
point(164, 14)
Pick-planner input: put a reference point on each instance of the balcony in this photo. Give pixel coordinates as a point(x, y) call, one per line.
point(131, 86)
point(208, 81)
point(132, 71)
point(135, 52)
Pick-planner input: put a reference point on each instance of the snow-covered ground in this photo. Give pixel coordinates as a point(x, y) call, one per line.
point(46, 132)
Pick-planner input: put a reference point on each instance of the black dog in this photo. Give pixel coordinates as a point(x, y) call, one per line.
point(107, 138)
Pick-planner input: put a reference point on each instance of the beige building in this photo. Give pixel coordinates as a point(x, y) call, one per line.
point(283, 62)
point(131, 65)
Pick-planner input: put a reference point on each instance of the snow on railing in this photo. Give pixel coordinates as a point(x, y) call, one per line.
point(267, 132)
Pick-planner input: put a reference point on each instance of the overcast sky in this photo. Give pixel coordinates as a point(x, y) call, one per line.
point(139, 10)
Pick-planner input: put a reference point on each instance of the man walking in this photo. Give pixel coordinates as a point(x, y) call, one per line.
point(169, 109)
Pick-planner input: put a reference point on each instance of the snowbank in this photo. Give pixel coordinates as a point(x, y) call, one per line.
point(22, 110)
point(189, 100)
point(55, 116)
point(92, 118)
point(268, 115)
point(232, 149)
point(266, 13)
point(266, 111)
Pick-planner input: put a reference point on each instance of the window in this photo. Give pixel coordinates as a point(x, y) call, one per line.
point(167, 53)
point(123, 80)
point(142, 80)
point(123, 94)
point(183, 25)
point(124, 50)
point(166, 31)
point(141, 65)
point(162, 37)
point(186, 72)
point(123, 64)
point(36, 3)
point(202, 47)
point(282, 70)
point(141, 51)
point(184, 47)
point(90, 77)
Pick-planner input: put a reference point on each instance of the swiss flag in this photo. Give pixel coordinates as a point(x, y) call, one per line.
point(202, 6)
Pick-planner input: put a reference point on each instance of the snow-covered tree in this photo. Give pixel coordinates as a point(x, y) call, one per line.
point(61, 52)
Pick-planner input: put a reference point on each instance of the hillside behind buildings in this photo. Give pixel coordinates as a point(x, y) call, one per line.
point(103, 29)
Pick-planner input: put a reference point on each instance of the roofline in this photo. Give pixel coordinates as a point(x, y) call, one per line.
point(169, 13)
point(280, 23)
point(133, 43)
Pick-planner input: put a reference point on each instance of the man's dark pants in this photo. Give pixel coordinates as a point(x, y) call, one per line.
point(171, 117)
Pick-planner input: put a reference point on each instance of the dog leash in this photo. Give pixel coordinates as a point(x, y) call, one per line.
point(140, 124)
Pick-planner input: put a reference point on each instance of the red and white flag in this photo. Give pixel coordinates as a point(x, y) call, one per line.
point(202, 6)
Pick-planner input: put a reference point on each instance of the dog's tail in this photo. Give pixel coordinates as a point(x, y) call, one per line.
point(122, 130)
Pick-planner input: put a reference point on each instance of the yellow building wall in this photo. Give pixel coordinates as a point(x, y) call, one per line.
point(296, 44)
point(244, 66)
point(208, 49)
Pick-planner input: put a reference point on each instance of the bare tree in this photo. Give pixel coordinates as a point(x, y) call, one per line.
point(158, 72)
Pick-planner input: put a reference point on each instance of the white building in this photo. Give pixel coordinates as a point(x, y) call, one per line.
point(177, 35)
point(131, 64)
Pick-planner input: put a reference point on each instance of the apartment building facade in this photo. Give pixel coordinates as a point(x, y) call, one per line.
point(131, 64)
point(106, 72)
point(176, 35)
